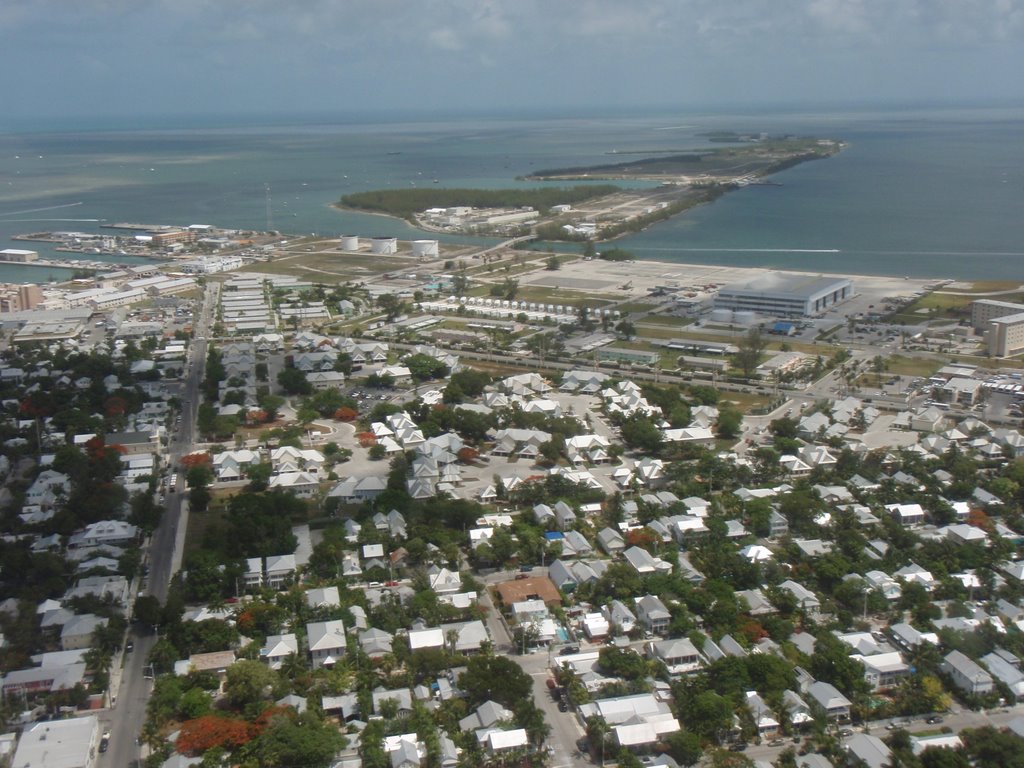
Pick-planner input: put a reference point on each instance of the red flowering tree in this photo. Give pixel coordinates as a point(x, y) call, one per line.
point(466, 454)
point(197, 459)
point(209, 731)
point(345, 414)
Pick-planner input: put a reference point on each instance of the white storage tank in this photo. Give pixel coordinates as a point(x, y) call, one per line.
point(349, 242)
point(721, 315)
point(424, 248)
point(384, 245)
point(744, 317)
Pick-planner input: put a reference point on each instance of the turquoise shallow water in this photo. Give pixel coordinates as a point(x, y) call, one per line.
point(919, 193)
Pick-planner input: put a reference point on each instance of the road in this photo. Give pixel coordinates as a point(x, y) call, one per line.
point(127, 713)
point(956, 720)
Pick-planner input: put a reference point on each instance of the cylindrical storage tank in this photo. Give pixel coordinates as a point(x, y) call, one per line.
point(744, 317)
point(721, 315)
point(424, 248)
point(384, 245)
point(349, 242)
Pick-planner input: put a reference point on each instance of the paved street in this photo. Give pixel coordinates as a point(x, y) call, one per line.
point(127, 713)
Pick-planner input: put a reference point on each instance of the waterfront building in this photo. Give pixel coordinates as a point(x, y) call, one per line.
point(782, 294)
point(18, 255)
point(1006, 335)
point(984, 311)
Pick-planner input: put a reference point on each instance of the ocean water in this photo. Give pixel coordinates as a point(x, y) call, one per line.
point(925, 193)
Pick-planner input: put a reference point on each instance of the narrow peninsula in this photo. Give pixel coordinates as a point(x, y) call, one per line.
point(598, 210)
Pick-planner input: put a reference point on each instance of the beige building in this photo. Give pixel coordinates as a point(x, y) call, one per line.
point(1006, 335)
point(984, 311)
point(18, 255)
point(15, 298)
point(1003, 325)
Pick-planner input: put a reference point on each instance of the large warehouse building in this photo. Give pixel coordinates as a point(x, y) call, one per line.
point(784, 294)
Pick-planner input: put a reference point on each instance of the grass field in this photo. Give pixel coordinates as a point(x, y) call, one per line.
point(912, 366)
point(323, 266)
point(945, 306)
point(562, 296)
point(639, 306)
point(986, 286)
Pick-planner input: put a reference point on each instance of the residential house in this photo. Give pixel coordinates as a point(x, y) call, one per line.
point(967, 675)
point(653, 614)
point(1005, 667)
point(619, 616)
point(830, 701)
point(323, 597)
point(866, 751)
point(909, 515)
point(764, 721)
point(679, 655)
point(77, 633)
point(278, 648)
point(327, 643)
point(806, 600)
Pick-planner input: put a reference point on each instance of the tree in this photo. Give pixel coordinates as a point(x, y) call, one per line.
point(684, 747)
point(708, 714)
point(377, 452)
point(391, 305)
point(832, 663)
point(147, 610)
point(642, 434)
point(730, 418)
point(203, 733)
point(248, 684)
point(750, 349)
point(293, 381)
point(552, 263)
point(936, 757)
point(626, 329)
point(423, 367)
point(195, 703)
point(291, 741)
point(497, 678)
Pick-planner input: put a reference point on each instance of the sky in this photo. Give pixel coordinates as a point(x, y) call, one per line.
point(62, 58)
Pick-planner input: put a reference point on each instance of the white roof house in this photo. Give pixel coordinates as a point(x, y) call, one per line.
point(327, 643)
point(70, 743)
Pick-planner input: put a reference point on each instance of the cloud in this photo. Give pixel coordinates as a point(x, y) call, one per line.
point(446, 38)
point(607, 51)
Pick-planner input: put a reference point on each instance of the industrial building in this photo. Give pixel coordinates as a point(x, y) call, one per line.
point(782, 294)
point(384, 245)
point(18, 255)
point(425, 248)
